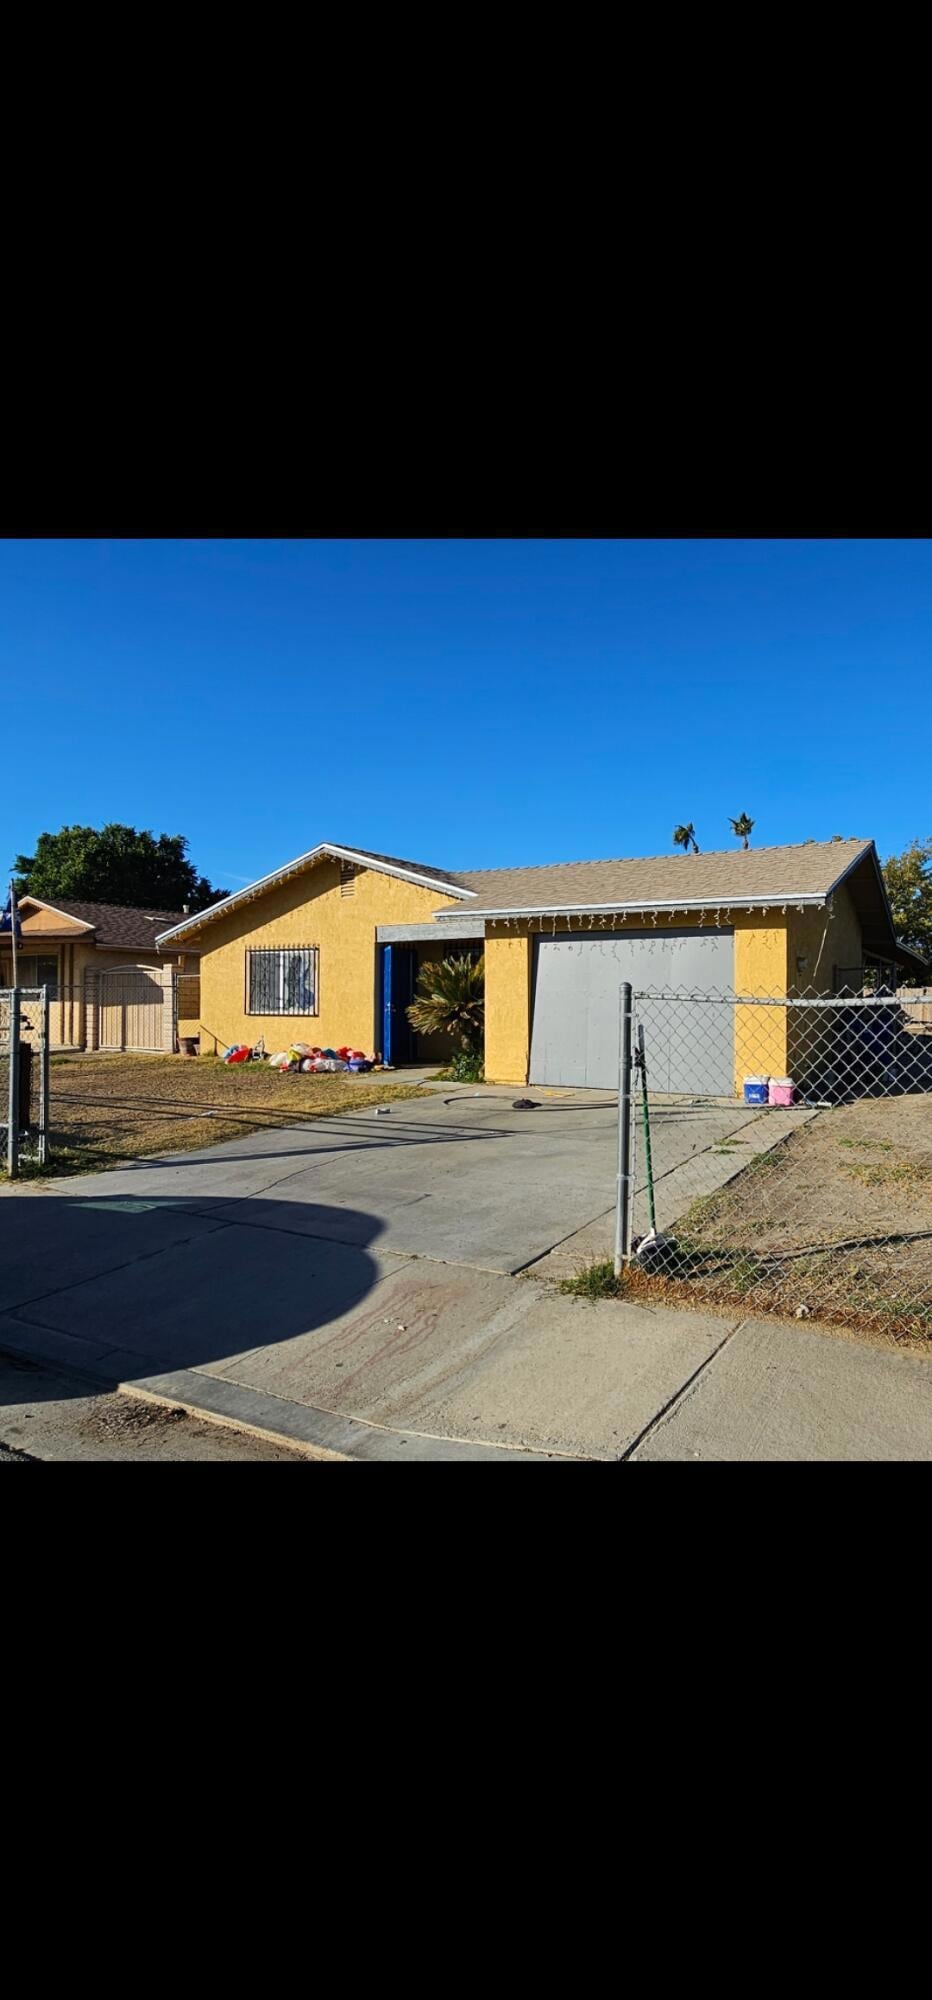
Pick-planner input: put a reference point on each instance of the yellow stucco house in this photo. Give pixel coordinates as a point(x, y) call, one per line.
point(109, 985)
point(326, 948)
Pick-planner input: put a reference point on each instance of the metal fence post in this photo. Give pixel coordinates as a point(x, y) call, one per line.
point(12, 1130)
point(623, 1193)
point(44, 1077)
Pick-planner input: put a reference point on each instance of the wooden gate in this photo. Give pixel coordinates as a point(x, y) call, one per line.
point(132, 1012)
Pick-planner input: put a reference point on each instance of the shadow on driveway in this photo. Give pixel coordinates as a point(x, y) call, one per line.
point(125, 1287)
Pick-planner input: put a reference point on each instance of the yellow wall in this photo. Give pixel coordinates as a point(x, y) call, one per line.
point(761, 968)
point(508, 962)
point(308, 909)
point(824, 940)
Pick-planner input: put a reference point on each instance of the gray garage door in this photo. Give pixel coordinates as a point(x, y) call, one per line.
point(574, 1034)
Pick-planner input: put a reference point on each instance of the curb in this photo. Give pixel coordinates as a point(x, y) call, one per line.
point(303, 1427)
point(318, 1433)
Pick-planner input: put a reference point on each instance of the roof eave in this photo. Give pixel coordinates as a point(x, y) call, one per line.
point(295, 867)
point(806, 900)
point(38, 903)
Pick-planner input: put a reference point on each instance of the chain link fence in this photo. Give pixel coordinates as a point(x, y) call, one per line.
point(781, 1155)
point(24, 1079)
point(144, 1009)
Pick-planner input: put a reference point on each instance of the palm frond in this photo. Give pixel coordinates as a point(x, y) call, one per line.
point(685, 837)
point(743, 826)
point(450, 999)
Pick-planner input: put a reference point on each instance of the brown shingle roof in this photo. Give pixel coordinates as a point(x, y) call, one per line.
point(116, 923)
point(809, 869)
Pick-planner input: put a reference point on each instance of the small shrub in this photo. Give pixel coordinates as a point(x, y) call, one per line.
point(466, 1067)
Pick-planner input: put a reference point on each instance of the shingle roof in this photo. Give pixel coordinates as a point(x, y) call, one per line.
point(118, 924)
point(412, 867)
point(736, 875)
point(772, 873)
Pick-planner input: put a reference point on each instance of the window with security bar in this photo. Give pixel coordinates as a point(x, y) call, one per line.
point(283, 981)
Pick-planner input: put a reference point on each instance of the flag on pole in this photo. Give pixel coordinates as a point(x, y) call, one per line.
point(10, 925)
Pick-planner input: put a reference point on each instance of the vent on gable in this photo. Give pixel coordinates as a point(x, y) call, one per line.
point(348, 874)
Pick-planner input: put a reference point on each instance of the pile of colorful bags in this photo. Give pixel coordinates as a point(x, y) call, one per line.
point(301, 1056)
point(317, 1062)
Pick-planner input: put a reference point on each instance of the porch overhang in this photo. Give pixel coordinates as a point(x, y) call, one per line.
point(466, 929)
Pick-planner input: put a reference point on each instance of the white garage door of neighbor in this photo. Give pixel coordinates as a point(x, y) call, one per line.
point(574, 1033)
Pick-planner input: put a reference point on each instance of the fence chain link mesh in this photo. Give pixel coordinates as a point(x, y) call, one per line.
point(30, 1110)
point(130, 1008)
point(783, 1155)
point(4, 1075)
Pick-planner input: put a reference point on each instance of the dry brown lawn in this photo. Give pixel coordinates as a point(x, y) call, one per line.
point(105, 1109)
point(837, 1220)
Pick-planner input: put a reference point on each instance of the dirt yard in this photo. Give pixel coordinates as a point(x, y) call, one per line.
point(104, 1109)
point(837, 1221)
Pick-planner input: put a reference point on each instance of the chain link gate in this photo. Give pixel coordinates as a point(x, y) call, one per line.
point(805, 1188)
point(24, 1077)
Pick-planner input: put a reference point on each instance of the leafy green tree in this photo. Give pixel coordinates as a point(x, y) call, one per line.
point(908, 877)
point(450, 997)
point(114, 864)
point(743, 827)
point(684, 837)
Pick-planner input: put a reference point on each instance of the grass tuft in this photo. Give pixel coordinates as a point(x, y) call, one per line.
point(594, 1281)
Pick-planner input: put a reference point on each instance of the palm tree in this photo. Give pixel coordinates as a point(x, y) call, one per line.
point(743, 827)
point(450, 996)
point(683, 836)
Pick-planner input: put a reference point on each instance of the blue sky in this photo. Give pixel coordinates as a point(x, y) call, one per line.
point(464, 703)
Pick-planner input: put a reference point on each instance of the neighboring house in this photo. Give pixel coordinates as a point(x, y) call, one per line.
point(327, 947)
point(109, 986)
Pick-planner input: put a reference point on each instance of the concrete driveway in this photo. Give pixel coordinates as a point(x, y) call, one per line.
point(351, 1283)
point(463, 1179)
point(468, 1181)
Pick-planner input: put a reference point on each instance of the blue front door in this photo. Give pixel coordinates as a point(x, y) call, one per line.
point(399, 971)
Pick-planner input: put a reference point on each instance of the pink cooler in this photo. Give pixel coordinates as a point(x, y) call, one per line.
point(782, 1090)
